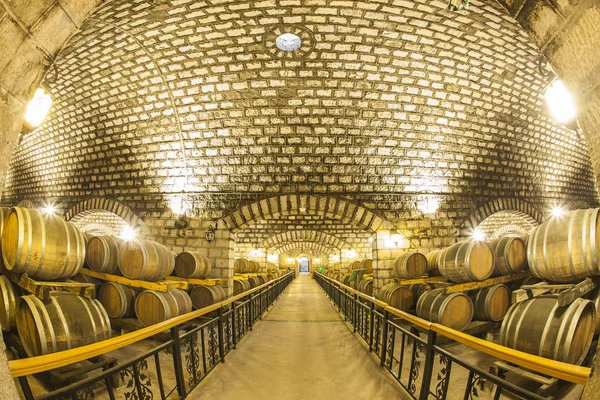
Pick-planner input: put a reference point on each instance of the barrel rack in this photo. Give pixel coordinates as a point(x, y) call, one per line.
point(161, 286)
point(567, 293)
point(42, 289)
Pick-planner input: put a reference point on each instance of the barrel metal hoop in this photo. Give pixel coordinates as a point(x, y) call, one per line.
point(65, 270)
point(519, 322)
point(568, 324)
point(544, 250)
point(507, 266)
point(547, 328)
point(7, 296)
point(487, 301)
point(63, 320)
point(593, 233)
point(42, 315)
point(468, 262)
point(20, 236)
point(92, 321)
point(103, 316)
point(123, 297)
point(532, 251)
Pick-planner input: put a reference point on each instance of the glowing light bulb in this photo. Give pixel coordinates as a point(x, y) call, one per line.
point(49, 209)
point(38, 108)
point(478, 235)
point(560, 102)
point(127, 234)
point(178, 205)
point(290, 260)
point(557, 212)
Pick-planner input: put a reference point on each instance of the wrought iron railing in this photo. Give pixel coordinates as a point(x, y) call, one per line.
point(198, 342)
point(407, 347)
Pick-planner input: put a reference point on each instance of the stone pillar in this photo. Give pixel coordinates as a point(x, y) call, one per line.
point(384, 254)
point(221, 252)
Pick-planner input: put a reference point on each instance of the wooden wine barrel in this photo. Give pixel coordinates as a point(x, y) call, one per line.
point(253, 266)
point(539, 326)
point(45, 247)
point(366, 287)
point(367, 265)
point(192, 264)
point(3, 213)
point(254, 281)
point(118, 300)
point(594, 296)
point(87, 237)
point(566, 248)
point(346, 280)
point(410, 265)
point(145, 260)
point(530, 280)
point(102, 254)
point(419, 289)
point(65, 322)
point(204, 296)
point(355, 265)
point(491, 303)
point(467, 261)
point(240, 266)
point(261, 279)
point(400, 297)
point(9, 294)
point(240, 286)
point(432, 262)
point(454, 310)
point(511, 255)
point(152, 307)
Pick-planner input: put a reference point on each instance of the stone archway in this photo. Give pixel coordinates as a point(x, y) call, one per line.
point(523, 207)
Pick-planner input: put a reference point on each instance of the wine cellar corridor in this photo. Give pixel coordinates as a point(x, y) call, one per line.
point(300, 199)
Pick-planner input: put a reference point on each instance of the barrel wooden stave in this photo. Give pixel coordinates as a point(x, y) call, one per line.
point(491, 303)
point(566, 248)
point(240, 286)
point(454, 310)
point(410, 265)
point(539, 326)
point(102, 254)
point(432, 262)
point(118, 300)
point(510, 253)
point(366, 287)
point(467, 261)
point(367, 265)
point(192, 264)
point(65, 322)
point(400, 297)
point(240, 266)
point(419, 289)
point(56, 248)
point(152, 307)
point(204, 296)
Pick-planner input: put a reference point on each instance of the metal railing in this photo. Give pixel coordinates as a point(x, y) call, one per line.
point(198, 342)
point(419, 364)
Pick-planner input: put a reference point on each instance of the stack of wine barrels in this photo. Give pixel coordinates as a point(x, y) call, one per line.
point(366, 287)
point(510, 253)
point(566, 248)
point(118, 300)
point(539, 326)
point(432, 262)
point(45, 247)
point(355, 265)
point(240, 286)
point(400, 297)
point(66, 321)
point(145, 260)
point(254, 281)
point(467, 261)
point(454, 310)
point(410, 265)
point(243, 266)
point(192, 264)
point(9, 294)
point(204, 296)
point(102, 254)
point(152, 307)
point(491, 303)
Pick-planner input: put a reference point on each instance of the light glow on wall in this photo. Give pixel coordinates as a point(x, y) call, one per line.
point(428, 204)
point(38, 108)
point(478, 235)
point(349, 253)
point(178, 205)
point(334, 258)
point(560, 102)
point(256, 253)
point(557, 211)
point(272, 258)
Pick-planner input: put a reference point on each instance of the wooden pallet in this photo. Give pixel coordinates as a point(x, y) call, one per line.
point(567, 293)
point(196, 281)
point(547, 384)
point(464, 287)
point(42, 289)
point(161, 286)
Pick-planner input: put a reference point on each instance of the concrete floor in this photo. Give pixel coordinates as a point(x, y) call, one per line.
point(300, 350)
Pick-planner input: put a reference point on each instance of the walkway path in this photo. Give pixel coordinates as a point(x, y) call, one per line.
point(300, 350)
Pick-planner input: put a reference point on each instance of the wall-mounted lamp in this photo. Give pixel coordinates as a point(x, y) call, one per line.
point(37, 110)
point(209, 235)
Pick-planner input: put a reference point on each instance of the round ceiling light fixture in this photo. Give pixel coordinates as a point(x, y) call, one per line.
point(288, 42)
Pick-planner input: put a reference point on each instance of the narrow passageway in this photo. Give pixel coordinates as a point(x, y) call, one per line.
point(300, 350)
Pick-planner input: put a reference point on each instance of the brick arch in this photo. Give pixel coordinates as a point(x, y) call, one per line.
point(336, 208)
point(304, 236)
point(523, 207)
point(114, 206)
point(304, 247)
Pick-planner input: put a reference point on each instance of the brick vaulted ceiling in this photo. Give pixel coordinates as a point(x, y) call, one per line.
point(383, 97)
